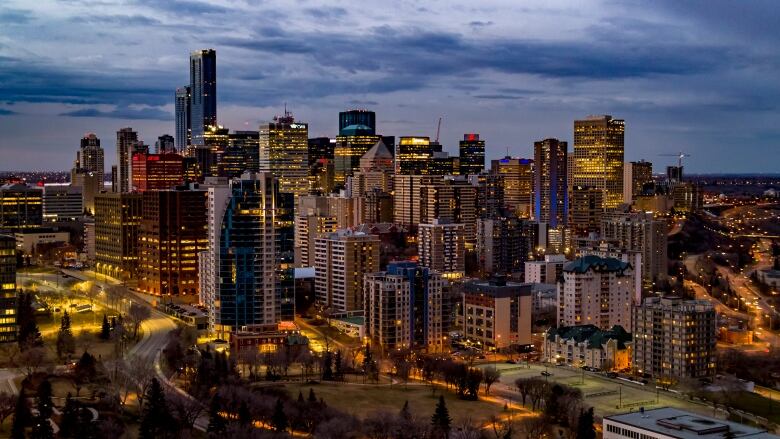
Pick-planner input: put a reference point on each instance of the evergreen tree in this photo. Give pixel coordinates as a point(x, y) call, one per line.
point(441, 417)
point(105, 330)
point(279, 418)
point(339, 370)
point(29, 334)
point(312, 396)
point(66, 344)
point(217, 423)
point(405, 414)
point(585, 428)
point(86, 428)
point(42, 428)
point(69, 419)
point(327, 368)
point(22, 417)
point(155, 420)
point(300, 398)
point(244, 416)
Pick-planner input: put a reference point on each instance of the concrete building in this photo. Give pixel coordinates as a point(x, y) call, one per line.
point(173, 231)
point(674, 338)
point(672, 423)
point(490, 194)
point(117, 222)
point(89, 158)
point(21, 207)
point(451, 200)
point(28, 240)
point(518, 180)
point(156, 171)
point(635, 176)
point(588, 346)
point(7, 289)
point(127, 145)
point(441, 247)
point(496, 314)
point(307, 228)
point(90, 184)
point(403, 307)
point(341, 260)
point(586, 208)
point(596, 291)
point(640, 231)
point(62, 203)
point(598, 156)
point(547, 271)
point(407, 201)
point(504, 244)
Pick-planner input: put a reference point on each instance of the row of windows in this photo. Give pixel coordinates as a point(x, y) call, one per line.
point(628, 433)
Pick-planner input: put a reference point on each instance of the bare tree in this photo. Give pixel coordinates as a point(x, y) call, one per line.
point(7, 407)
point(28, 361)
point(137, 314)
point(491, 375)
point(534, 427)
point(184, 408)
point(466, 430)
point(142, 372)
point(8, 353)
point(501, 428)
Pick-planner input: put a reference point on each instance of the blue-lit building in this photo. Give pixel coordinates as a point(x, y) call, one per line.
point(551, 195)
point(349, 118)
point(203, 93)
point(183, 108)
point(403, 307)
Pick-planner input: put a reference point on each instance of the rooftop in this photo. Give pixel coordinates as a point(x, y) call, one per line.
point(685, 425)
point(595, 263)
point(590, 333)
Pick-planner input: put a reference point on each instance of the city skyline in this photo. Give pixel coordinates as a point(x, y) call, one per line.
point(684, 94)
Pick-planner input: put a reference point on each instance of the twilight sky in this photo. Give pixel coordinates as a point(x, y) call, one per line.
point(699, 76)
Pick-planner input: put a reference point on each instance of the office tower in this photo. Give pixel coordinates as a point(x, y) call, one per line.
point(21, 207)
point(406, 201)
point(351, 144)
point(413, 156)
point(496, 313)
point(451, 200)
point(596, 291)
point(375, 172)
point(308, 226)
point(586, 208)
point(183, 109)
point(284, 228)
point(687, 197)
point(209, 153)
point(126, 146)
point(635, 176)
point(442, 163)
point(172, 232)
point(153, 172)
point(320, 148)
point(341, 260)
point(674, 339)
point(551, 194)
point(62, 203)
point(117, 222)
point(404, 309)
point(598, 156)
point(249, 143)
point(504, 243)
point(518, 183)
point(350, 118)
point(284, 152)
point(441, 247)
point(203, 93)
point(240, 281)
point(7, 288)
point(472, 154)
point(547, 271)
point(165, 145)
point(90, 156)
point(641, 232)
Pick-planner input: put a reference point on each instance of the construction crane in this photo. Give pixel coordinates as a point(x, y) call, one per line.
point(680, 156)
point(438, 130)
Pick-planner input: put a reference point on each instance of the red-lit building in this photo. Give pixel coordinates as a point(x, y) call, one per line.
point(157, 171)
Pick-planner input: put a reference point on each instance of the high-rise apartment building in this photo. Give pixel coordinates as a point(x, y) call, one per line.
point(153, 172)
point(203, 93)
point(183, 110)
point(126, 145)
point(518, 183)
point(451, 200)
point(586, 208)
point(284, 152)
point(442, 247)
point(407, 201)
point(403, 307)
point(341, 260)
point(640, 231)
point(7, 289)
point(117, 222)
point(90, 156)
point(551, 194)
point(413, 155)
point(62, 202)
point(173, 231)
point(546, 271)
point(598, 156)
point(635, 176)
point(309, 226)
point(596, 291)
point(490, 194)
point(21, 207)
point(496, 313)
point(504, 243)
point(472, 154)
point(674, 339)
point(240, 280)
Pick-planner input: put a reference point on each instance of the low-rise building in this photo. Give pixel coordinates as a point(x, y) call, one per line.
point(588, 346)
point(769, 277)
point(27, 240)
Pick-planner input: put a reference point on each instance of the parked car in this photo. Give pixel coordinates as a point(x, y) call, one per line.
point(546, 374)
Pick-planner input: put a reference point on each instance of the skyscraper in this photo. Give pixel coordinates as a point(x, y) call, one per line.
point(156, 171)
point(352, 143)
point(598, 156)
point(183, 106)
point(90, 156)
point(341, 260)
point(126, 143)
point(7, 288)
point(472, 154)
point(518, 183)
point(203, 88)
point(551, 195)
point(442, 247)
point(635, 176)
point(117, 221)
point(365, 118)
point(413, 156)
point(164, 145)
point(284, 151)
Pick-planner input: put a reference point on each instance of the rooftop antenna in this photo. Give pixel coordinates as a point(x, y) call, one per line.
point(438, 130)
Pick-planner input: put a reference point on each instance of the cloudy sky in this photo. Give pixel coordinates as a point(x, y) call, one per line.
point(697, 76)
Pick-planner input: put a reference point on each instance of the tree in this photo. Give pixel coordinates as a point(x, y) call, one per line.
point(105, 330)
point(327, 367)
point(137, 314)
point(7, 405)
point(85, 371)
point(22, 417)
point(312, 397)
point(155, 419)
point(29, 335)
point(490, 376)
point(405, 413)
point(585, 429)
point(42, 428)
point(66, 343)
point(441, 418)
point(279, 418)
point(29, 360)
point(244, 416)
point(217, 423)
point(338, 362)
point(70, 418)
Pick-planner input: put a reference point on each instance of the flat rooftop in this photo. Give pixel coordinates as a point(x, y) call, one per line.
point(685, 425)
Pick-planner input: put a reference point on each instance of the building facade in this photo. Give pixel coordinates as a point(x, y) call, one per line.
point(203, 93)
point(157, 171)
point(341, 260)
point(7, 289)
point(635, 176)
point(547, 271)
point(586, 208)
point(183, 116)
point(598, 156)
point(62, 203)
point(117, 223)
point(588, 346)
point(441, 246)
point(496, 314)
point(284, 152)
point(413, 155)
point(504, 244)
point(127, 145)
point(550, 182)
point(472, 154)
point(90, 156)
point(518, 180)
point(640, 231)
point(21, 207)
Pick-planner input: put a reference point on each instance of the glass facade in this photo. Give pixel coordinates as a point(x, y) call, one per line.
point(598, 156)
point(413, 156)
point(472, 154)
point(203, 93)
point(551, 195)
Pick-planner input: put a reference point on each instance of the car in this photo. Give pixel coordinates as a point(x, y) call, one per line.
point(546, 374)
point(612, 375)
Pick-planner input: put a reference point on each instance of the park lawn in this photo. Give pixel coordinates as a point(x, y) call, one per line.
point(756, 404)
point(363, 400)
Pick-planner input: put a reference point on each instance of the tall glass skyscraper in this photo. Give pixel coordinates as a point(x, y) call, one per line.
point(551, 195)
point(598, 156)
point(365, 118)
point(183, 118)
point(472, 154)
point(203, 85)
point(284, 152)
